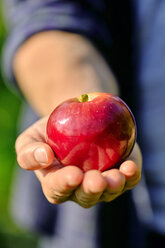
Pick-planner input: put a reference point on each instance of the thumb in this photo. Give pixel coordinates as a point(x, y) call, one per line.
point(35, 156)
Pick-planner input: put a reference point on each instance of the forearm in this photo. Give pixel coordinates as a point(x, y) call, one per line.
point(53, 66)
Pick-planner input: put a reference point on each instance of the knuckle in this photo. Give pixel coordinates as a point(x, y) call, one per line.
point(54, 196)
point(17, 143)
point(20, 161)
point(52, 200)
point(86, 204)
point(130, 185)
point(85, 201)
point(108, 197)
point(24, 163)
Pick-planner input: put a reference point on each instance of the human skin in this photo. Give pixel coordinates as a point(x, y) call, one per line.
point(51, 67)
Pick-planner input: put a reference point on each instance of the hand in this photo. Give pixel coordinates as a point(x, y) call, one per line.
point(61, 183)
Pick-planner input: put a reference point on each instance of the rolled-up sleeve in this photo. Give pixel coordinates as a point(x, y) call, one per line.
point(27, 17)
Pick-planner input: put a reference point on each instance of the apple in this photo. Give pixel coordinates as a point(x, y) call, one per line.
point(93, 131)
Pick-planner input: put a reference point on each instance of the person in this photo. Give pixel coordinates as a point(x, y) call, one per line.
point(60, 49)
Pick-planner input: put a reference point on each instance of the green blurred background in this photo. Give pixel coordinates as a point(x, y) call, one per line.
point(10, 235)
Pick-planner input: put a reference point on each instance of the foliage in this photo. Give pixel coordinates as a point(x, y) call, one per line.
point(10, 235)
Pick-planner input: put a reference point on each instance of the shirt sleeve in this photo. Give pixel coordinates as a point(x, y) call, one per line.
point(24, 18)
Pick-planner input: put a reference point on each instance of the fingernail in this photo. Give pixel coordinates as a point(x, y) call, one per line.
point(41, 156)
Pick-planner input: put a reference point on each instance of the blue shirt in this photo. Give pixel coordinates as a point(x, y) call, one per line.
point(25, 18)
point(150, 86)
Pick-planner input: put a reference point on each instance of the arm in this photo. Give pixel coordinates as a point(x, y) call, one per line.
point(26, 18)
point(53, 66)
point(50, 67)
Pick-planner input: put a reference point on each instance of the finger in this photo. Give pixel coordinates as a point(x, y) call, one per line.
point(93, 185)
point(32, 151)
point(35, 133)
point(116, 181)
point(35, 155)
point(136, 156)
point(132, 167)
point(130, 170)
point(58, 183)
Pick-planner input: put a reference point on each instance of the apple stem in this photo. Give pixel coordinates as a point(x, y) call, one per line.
point(84, 98)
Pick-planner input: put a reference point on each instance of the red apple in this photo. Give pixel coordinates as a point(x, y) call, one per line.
point(94, 131)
